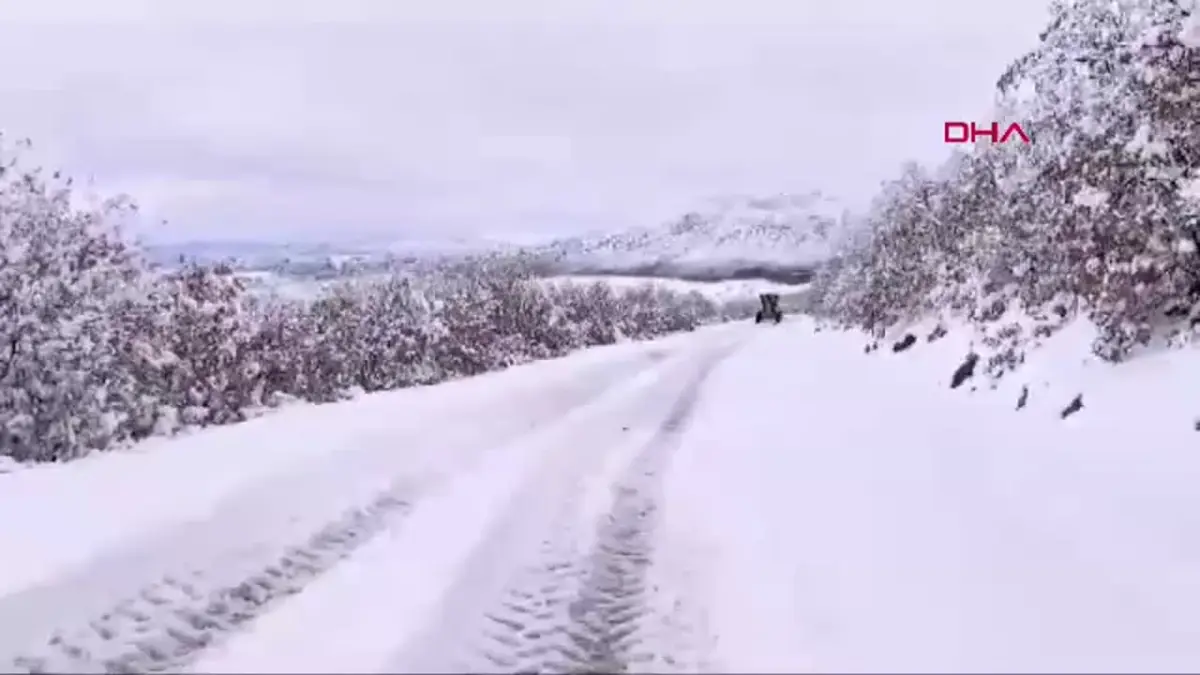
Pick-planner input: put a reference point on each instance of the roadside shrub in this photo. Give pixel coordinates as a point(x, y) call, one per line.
point(97, 348)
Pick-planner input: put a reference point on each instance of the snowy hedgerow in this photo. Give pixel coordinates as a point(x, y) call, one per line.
point(591, 310)
point(61, 271)
point(1098, 216)
point(97, 348)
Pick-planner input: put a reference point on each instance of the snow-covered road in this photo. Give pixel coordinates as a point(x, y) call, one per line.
point(742, 498)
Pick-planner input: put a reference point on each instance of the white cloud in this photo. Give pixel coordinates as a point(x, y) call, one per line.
point(310, 118)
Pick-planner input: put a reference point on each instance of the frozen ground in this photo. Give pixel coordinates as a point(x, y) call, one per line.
point(739, 499)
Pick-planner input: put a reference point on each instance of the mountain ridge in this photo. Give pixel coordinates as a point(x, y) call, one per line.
point(780, 237)
point(782, 233)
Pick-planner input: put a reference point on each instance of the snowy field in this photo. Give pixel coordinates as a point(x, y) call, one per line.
point(269, 283)
point(738, 499)
point(718, 291)
point(276, 285)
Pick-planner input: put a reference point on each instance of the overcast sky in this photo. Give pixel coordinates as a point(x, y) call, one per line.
point(429, 118)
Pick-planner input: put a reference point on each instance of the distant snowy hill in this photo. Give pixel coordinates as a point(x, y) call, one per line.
point(783, 232)
point(780, 237)
point(246, 253)
point(306, 258)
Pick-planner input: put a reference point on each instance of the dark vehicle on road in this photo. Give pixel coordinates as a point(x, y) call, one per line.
point(770, 308)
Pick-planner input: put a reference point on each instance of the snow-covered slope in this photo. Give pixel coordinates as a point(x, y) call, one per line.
point(739, 499)
point(784, 231)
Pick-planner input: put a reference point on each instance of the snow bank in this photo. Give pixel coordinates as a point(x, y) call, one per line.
point(859, 515)
point(1153, 391)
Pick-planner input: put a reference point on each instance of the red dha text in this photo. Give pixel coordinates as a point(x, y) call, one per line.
point(969, 132)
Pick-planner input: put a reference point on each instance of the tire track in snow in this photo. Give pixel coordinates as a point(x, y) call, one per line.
point(171, 620)
point(527, 631)
point(592, 610)
point(167, 623)
point(612, 614)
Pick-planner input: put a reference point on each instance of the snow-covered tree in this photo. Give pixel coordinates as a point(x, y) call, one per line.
point(60, 271)
point(1098, 214)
